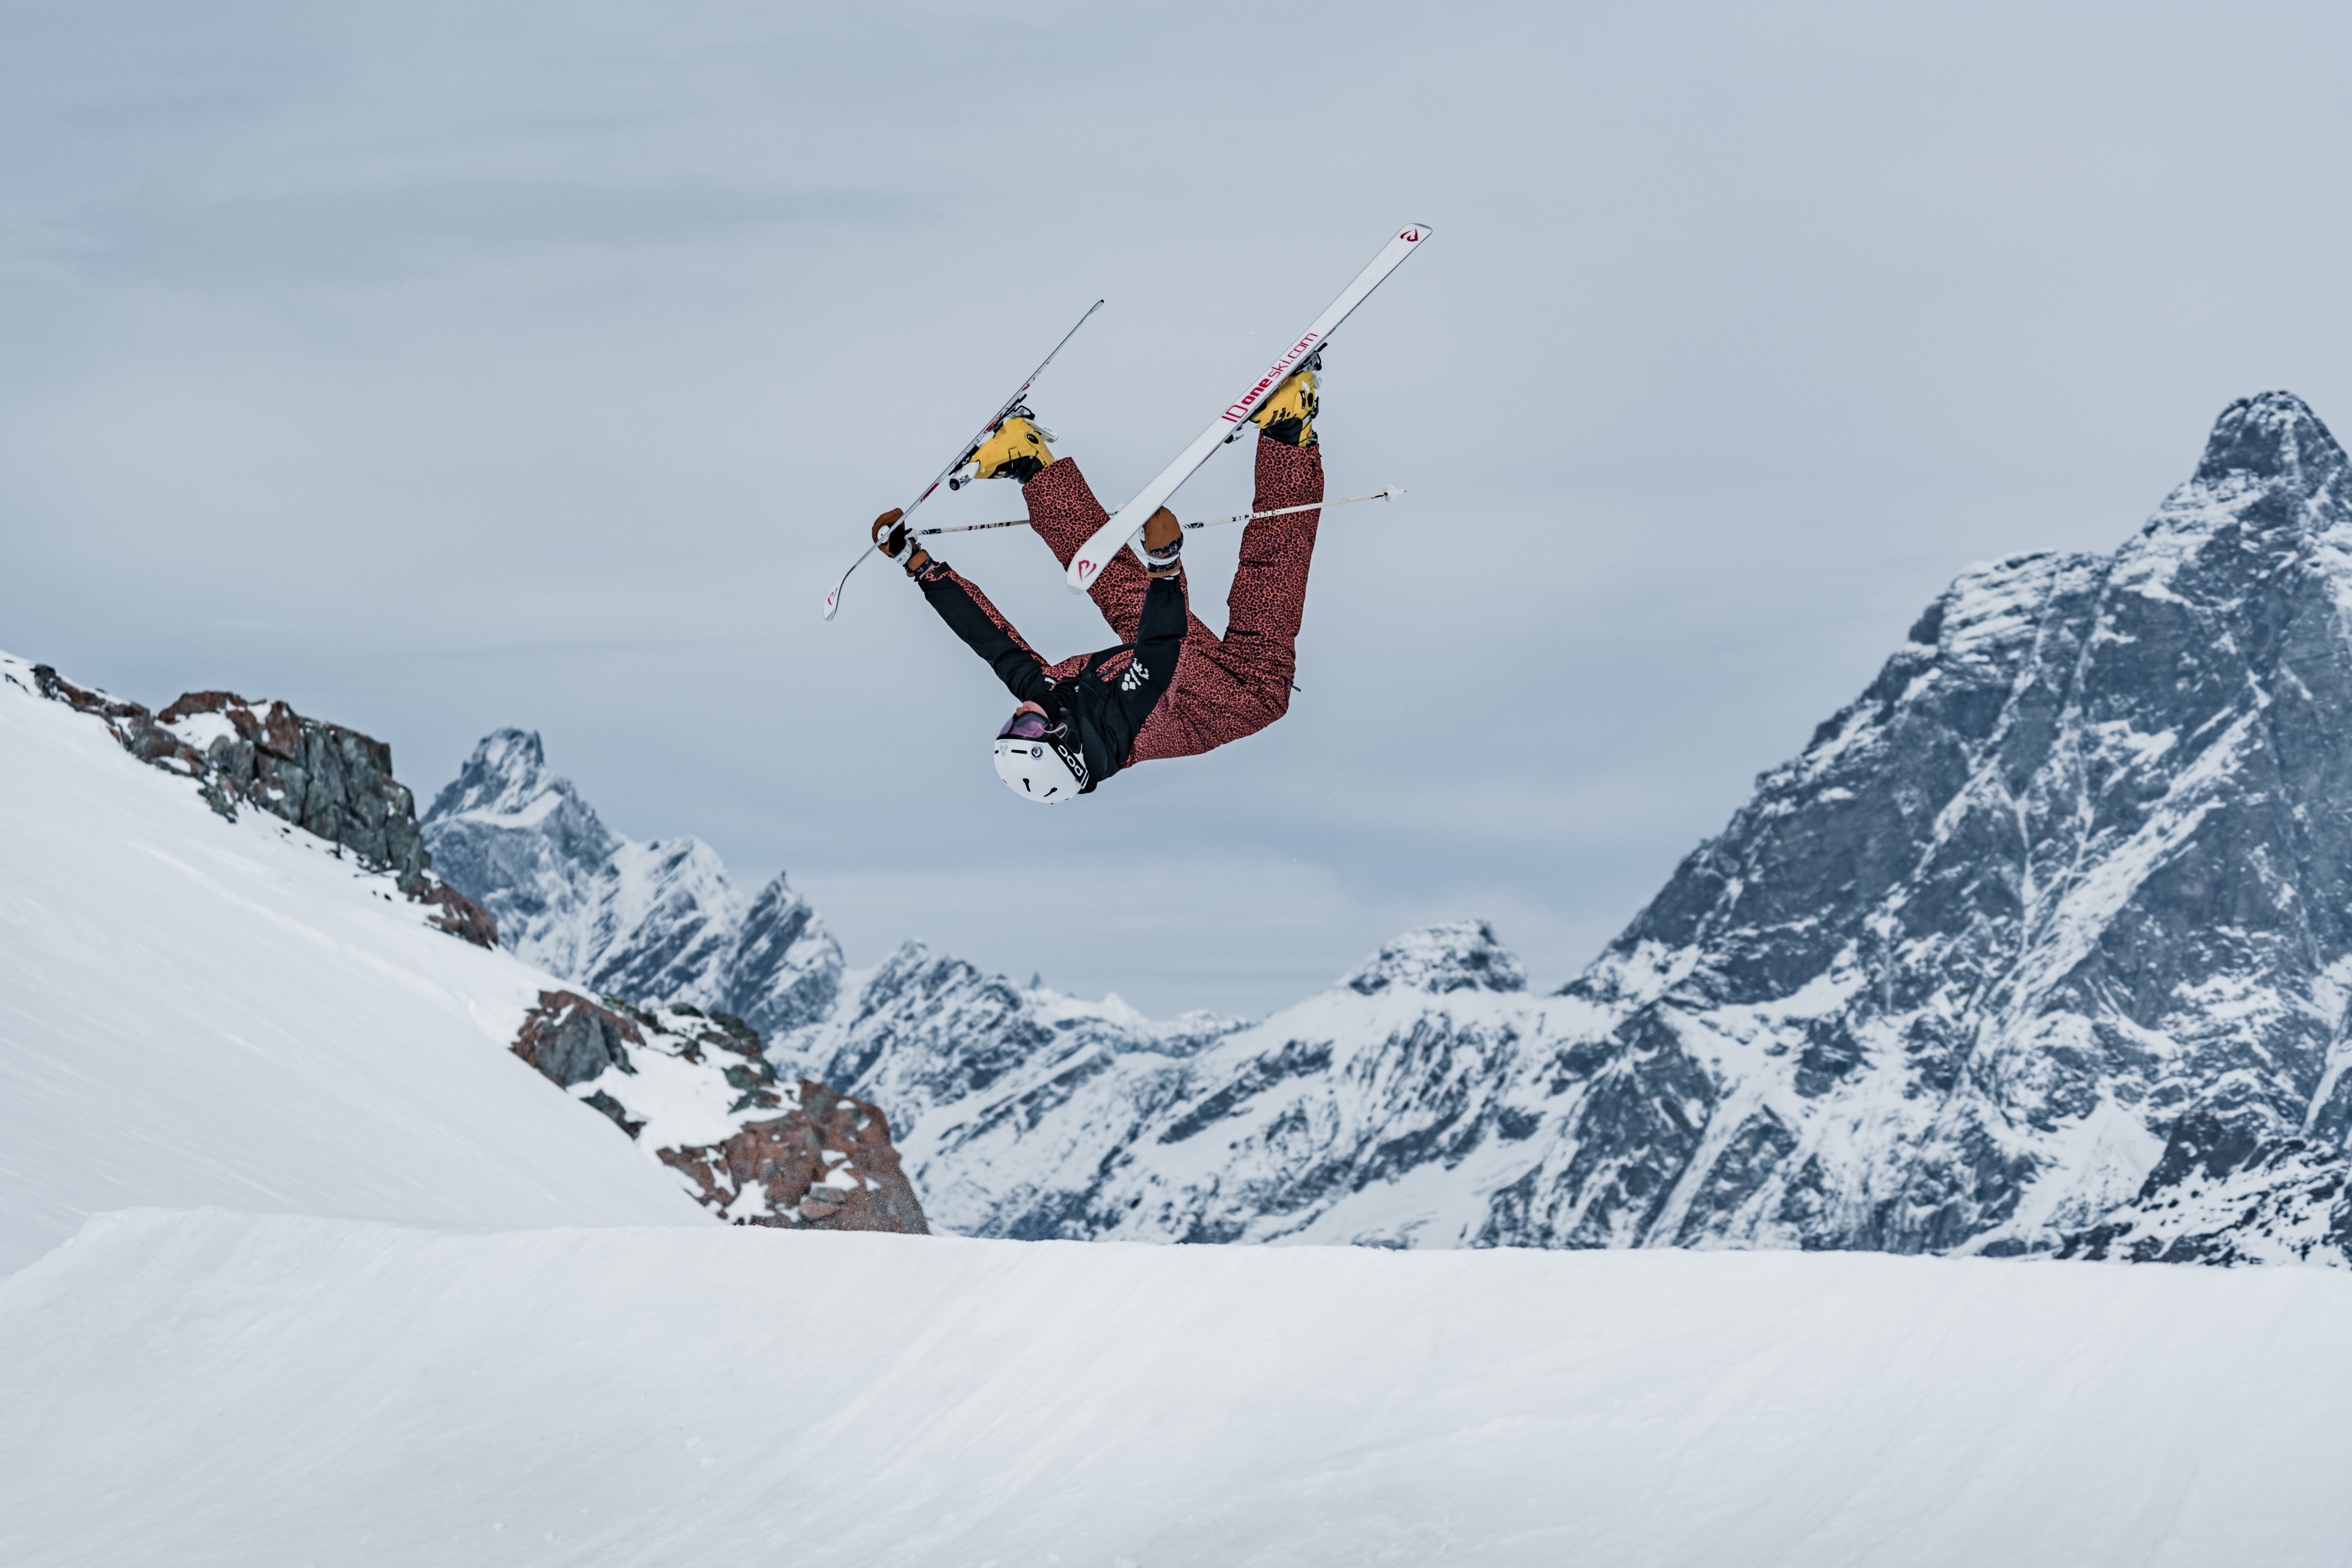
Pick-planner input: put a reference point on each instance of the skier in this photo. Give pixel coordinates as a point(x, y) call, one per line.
point(1171, 688)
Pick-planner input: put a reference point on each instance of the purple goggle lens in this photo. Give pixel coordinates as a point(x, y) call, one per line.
point(1024, 726)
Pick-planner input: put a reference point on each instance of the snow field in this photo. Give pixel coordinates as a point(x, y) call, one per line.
point(193, 1388)
point(195, 1011)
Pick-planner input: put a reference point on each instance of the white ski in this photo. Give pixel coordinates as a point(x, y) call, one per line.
point(1126, 523)
point(832, 600)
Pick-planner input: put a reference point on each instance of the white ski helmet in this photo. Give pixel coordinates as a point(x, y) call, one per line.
point(1032, 766)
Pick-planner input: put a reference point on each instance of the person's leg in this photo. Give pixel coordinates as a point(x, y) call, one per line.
point(1268, 598)
point(1064, 511)
point(1235, 686)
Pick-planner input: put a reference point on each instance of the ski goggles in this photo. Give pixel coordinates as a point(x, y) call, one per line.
point(1024, 726)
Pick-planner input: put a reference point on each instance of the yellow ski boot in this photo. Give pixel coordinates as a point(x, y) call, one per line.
point(1287, 414)
point(1016, 449)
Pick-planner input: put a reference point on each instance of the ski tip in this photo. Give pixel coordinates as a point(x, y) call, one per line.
point(1415, 233)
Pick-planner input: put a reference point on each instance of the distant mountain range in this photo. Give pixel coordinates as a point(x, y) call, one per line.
point(2046, 933)
point(657, 921)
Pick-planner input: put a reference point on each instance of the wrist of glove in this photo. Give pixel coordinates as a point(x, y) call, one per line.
point(1163, 545)
point(892, 537)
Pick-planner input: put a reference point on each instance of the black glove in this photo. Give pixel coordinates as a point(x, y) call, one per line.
point(892, 539)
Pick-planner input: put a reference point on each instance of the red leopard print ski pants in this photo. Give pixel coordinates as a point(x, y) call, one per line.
point(1226, 686)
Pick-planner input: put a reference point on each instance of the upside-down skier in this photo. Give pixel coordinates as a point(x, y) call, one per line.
point(1171, 688)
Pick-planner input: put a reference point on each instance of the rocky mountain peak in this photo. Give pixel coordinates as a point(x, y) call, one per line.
point(2071, 875)
point(1460, 955)
point(506, 774)
point(2273, 438)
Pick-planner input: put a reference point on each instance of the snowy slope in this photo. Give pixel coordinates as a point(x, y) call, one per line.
point(658, 923)
point(198, 1011)
point(192, 1389)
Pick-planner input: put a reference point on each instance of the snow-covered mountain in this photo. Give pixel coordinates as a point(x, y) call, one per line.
point(2221, 1196)
point(1349, 1117)
point(2070, 883)
point(657, 921)
point(1021, 1111)
point(2074, 871)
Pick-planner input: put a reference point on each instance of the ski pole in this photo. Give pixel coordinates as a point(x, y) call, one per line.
point(832, 600)
point(1389, 494)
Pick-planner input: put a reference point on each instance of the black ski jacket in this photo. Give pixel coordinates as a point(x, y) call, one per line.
point(1102, 704)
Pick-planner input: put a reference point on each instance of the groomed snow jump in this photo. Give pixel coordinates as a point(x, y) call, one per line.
point(208, 1387)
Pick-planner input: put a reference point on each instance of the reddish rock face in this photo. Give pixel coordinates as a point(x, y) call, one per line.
point(326, 780)
point(828, 1165)
point(804, 1159)
point(574, 1040)
point(453, 910)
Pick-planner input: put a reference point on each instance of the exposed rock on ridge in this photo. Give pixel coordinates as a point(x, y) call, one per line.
point(323, 778)
point(696, 1090)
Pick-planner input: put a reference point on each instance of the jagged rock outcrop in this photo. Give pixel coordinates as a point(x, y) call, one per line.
point(828, 1165)
point(323, 778)
point(696, 1091)
point(660, 919)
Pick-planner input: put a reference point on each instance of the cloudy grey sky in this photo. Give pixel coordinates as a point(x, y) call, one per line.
point(442, 366)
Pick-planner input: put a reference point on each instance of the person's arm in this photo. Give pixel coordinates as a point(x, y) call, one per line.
point(1158, 640)
point(971, 616)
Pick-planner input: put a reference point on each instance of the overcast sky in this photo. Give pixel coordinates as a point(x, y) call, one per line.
point(438, 366)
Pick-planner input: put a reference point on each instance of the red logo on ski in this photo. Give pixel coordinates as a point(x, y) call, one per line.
point(1410, 236)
